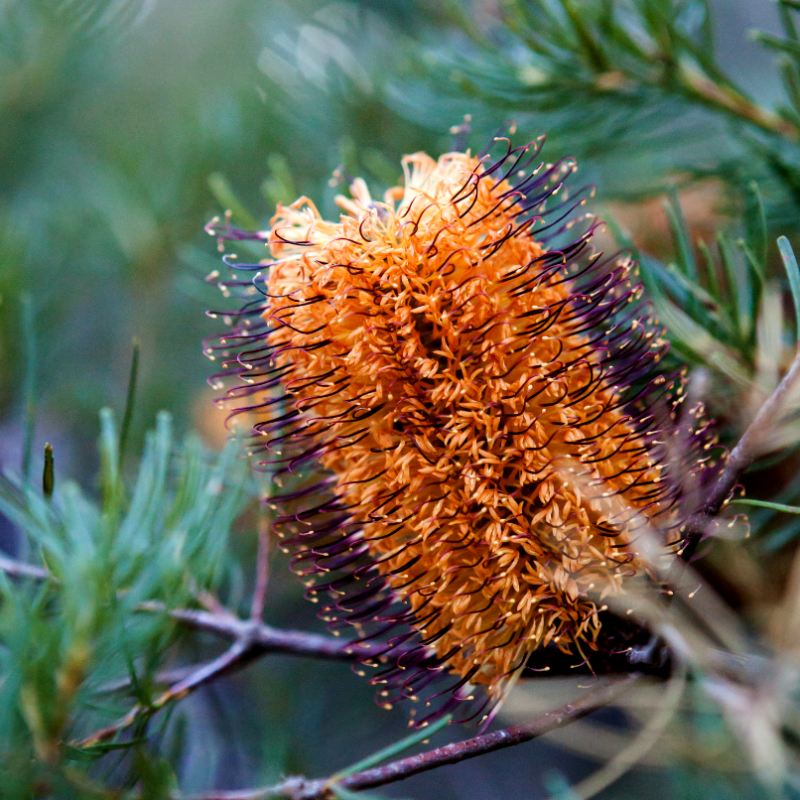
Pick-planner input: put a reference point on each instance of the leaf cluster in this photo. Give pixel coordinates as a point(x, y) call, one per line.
point(66, 635)
point(633, 87)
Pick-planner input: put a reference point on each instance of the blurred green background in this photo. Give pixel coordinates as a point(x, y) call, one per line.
point(126, 125)
point(117, 116)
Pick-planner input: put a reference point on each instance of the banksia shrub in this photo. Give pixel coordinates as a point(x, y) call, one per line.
point(459, 400)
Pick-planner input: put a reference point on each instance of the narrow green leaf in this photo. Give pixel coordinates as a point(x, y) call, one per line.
point(738, 276)
point(150, 495)
point(16, 503)
point(109, 462)
point(706, 30)
point(80, 525)
point(683, 240)
point(48, 474)
point(776, 43)
point(589, 45)
point(792, 270)
point(767, 504)
point(751, 260)
point(787, 22)
point(708, 312)
point(129, 403)
point(756, 224)
point(757, 271)
point(791, 81)
point(393, 749)
point(138, 689)
point(96, 750)
point(711, 269)
point(279, 186)
point(659, 278)
point(698, 341)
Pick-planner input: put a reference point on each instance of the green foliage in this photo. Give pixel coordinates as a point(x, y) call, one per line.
point(123, 119)
point(634, 89)
point(606, 79)
point(710, 305)
point(66, 635)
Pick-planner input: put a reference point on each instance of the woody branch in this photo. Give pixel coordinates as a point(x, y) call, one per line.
point(298, 788)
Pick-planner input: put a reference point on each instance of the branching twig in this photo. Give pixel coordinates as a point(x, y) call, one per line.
point(228, 626)
point(265, 639)
point(234, 658)
point(298, 788)
point(251, 640)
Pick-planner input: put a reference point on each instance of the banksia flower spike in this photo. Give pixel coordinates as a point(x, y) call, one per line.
point(457, 397)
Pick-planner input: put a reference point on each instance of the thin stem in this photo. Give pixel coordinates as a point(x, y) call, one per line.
point(392, 750)
point(267, 639)
point(234, 658)
point(19, 569)
point(251, 640)
point(722, 98)
point(741, 457)
point(767, 504)
point(130, 401)
point(262, 565)
point(298, 788)
point(264, 638)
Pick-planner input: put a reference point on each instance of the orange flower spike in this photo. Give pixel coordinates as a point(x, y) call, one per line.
point(467, 463)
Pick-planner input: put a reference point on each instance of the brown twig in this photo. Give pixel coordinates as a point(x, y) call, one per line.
point(740, 458)
point(298, 788)
point(250, 640)
point(265, 639)
point(732, 102)
point(228, 626)
point(234, 658)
